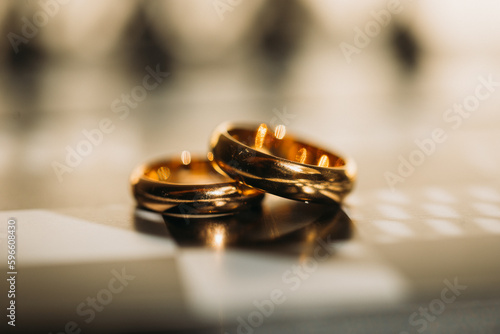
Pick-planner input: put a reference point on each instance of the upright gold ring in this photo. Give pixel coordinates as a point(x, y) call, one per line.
point(281, 164)
point(188, 186)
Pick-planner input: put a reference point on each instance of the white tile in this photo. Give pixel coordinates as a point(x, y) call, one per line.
point(233, 281)
point(392, 196)
point(439, 195)
point(49, 238)
point(393, 211)
point(444, 227)
point(487, 209)
point(485, 193)
point(394, 228)
point(488, 224)
point(441, 210)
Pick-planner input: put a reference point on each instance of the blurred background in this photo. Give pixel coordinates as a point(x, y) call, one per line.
point(64, 63)
point(89, 89)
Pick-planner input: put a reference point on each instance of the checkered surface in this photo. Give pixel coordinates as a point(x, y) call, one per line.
point(428, 213)
point(403, 246)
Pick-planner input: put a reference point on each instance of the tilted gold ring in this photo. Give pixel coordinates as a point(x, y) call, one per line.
point(189, 187)
point(281, 164)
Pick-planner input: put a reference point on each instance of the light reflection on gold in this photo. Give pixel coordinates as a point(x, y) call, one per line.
point(260, 135)
point(186, 157)
point(210, 156)
point(280, 131)
point(301, 155)
point(324, 161)
point(216, 236)
point(311, 236)
point(218, 240)
point(163, 173)
point(220, 191)
point(308, 189)
point(308, 246)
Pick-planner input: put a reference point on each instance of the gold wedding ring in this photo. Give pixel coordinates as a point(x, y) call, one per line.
point(188, 186)
point(280, 164)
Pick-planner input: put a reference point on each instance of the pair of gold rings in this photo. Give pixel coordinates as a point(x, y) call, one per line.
point(244, 162)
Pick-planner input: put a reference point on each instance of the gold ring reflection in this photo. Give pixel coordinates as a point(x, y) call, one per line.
point(278, 225)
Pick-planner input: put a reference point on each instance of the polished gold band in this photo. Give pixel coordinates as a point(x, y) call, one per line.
point(281, 164)
point(189, 187)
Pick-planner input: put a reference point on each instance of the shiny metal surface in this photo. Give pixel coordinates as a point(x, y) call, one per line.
point(279, 225)
point(188, 186)
point(282, 165)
